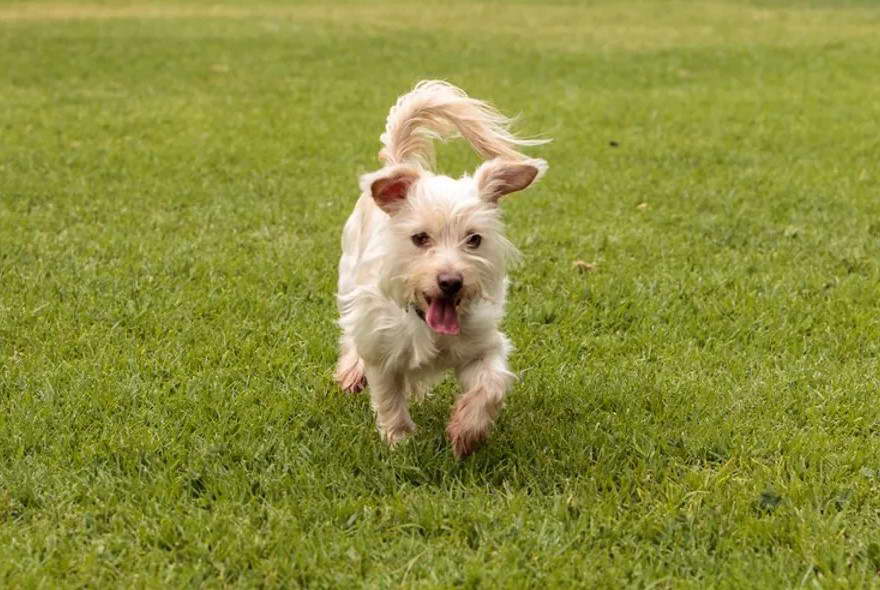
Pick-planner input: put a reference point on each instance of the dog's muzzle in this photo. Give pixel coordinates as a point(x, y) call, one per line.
point(418, 311)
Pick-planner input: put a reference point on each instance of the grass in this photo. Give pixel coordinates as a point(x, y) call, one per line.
point(701, 410)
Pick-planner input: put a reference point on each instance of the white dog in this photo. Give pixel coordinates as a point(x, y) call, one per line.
point(422, 277)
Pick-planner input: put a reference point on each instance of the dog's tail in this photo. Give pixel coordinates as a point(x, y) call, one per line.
point(438, 110)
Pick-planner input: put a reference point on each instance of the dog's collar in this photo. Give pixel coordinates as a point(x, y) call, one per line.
point(418, 311)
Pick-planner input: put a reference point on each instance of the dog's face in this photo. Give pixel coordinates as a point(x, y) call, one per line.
point(447, 249)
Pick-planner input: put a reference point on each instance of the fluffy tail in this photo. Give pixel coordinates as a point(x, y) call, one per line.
point(438, 110)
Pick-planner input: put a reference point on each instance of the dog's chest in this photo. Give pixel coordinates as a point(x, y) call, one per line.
point(428, 350)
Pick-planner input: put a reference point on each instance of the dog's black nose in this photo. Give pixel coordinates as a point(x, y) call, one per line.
point(449, 283)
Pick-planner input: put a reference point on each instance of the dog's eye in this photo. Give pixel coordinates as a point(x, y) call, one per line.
point(474, 240)
point(421, 239)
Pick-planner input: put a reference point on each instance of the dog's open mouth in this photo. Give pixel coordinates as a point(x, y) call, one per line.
point(442, 315)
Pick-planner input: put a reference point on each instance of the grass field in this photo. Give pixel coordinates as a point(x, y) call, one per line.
point(699, 410)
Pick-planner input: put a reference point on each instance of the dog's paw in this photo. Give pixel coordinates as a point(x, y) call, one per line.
point(465, 441)
point(394, 435)
point(350, 374)
point(354, 382)
point(469, 425)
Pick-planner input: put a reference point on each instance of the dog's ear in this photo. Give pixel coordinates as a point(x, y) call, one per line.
point(390, 186)
point(500, 177)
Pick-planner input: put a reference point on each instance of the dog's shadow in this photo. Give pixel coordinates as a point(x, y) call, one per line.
point(605, 434)
point(529, 449)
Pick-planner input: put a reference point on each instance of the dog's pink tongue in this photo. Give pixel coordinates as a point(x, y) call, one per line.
point(442, 317)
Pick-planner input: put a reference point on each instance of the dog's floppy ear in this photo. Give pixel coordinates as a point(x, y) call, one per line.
point(500, 177)
point(389, 186)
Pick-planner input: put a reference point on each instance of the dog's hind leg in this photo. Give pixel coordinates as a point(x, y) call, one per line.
point(388, 397)
point(484, 382)
point(350, 373)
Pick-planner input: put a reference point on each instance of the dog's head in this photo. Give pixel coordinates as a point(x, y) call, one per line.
point(446, 245)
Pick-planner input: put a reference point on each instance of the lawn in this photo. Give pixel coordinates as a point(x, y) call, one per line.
point(699, 407)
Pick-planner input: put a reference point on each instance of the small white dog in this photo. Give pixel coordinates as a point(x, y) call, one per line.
point(422, 278)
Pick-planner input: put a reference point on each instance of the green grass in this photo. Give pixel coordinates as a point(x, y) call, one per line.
point(701, 410)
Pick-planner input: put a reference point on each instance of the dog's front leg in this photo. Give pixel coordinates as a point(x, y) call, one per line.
point(388, 398)
point(484, 383)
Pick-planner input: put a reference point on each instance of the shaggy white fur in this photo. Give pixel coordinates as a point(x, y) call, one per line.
point(422, 278)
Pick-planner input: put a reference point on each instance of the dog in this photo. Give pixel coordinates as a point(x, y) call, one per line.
point(423, 271)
